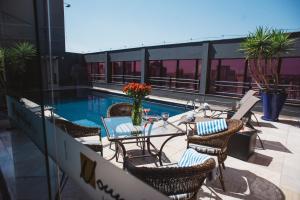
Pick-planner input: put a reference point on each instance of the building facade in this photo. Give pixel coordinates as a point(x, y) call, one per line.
point(210, 68)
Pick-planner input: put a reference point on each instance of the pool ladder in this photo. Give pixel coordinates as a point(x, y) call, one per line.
point(193, 103)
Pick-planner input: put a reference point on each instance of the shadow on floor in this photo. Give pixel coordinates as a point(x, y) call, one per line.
point(242, 184)
point(260, 159)
point(265, 124)
point(148, 159)
point(295, 123)
point(275, 146)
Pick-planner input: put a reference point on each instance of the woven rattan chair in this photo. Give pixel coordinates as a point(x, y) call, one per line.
point(77, 131)
point(175, 182)
point(214, 144)
point(119, 109)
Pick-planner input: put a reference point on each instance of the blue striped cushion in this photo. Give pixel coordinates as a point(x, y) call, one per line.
point(211, 126)
point(181, 196)
point(191, 158)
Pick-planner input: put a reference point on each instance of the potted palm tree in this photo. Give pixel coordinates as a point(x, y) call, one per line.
point(18, 58)
point(2, 79)
point(263, 49)
point(15, 59)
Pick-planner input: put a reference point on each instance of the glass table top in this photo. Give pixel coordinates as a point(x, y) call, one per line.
point(119, 128)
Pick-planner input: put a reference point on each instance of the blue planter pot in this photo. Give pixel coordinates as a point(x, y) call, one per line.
point(272, 104)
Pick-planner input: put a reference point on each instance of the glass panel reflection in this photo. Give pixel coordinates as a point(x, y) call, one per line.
point(290, 76)
point(227, 76)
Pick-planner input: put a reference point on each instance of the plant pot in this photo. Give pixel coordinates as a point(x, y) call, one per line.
point(273, 102)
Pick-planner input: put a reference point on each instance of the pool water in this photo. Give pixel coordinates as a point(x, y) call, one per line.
point(87, 109)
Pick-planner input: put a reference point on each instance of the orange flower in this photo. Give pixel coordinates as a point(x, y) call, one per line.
point(137, 90)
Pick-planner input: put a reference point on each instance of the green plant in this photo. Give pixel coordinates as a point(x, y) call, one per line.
point(2, 69)
point(15, 60)
point(19, 55)
point(263, 49)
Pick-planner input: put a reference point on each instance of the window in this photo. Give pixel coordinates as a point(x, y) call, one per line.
point(290, 76)
point(175, 73)
point(126, 71)
point(117, 72)
point(168, 73)
point(189, 74)
point(132, 71)
point(95, 71)
point(128, 68)
point(227, 76)
point(169, 68)
point(137, 68)
point(213, 75)
point(100, 76)
point(266, 70)
point(89, 71)
point(101, 68)
point(154, 68)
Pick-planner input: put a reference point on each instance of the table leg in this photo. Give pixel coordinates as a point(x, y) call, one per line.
point(120, 144)
point(117, 144)
point(143, 145)
point(162, 146)
point(115, 154)
point(149, 144)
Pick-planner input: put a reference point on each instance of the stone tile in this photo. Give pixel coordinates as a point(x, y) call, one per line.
point(273, 173)
point(290, 194)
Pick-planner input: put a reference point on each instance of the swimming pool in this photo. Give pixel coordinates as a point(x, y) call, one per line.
point(87, 107)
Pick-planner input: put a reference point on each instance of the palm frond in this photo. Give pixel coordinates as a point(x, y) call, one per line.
point(263, 46)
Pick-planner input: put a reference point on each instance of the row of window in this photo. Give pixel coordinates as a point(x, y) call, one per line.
point(175, 73)
point(96, 71)
point(227, 76)
point(126, 71)
point(231, 76)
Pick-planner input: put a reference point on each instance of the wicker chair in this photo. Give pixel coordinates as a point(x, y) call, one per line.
point(214, 144)
point(175, 182)
point(77, 131)
point(119, 109)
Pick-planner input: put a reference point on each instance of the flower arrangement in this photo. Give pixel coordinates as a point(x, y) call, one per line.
point(137, 91)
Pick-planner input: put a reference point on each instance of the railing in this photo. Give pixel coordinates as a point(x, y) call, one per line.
point(175, 83)
point(97, 78)
point(235, 88)
point(231, 88)
point(125, 78)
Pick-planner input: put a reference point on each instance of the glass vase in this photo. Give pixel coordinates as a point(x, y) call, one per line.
point(137, 111)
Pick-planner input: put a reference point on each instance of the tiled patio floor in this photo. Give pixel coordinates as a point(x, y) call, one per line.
point(273, 173)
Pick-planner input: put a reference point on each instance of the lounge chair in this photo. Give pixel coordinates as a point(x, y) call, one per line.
point(179, 181)
point(217, 111)
point(78, 131)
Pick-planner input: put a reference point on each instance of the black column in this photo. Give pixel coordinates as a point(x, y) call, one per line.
point(144, 66)
point(205, 68)
point(107, 68)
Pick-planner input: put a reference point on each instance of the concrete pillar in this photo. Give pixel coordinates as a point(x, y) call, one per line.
point(107, 68)
point(205, 69)
point(144, 66)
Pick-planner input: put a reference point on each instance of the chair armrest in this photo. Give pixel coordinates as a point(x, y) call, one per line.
point(237, 127)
